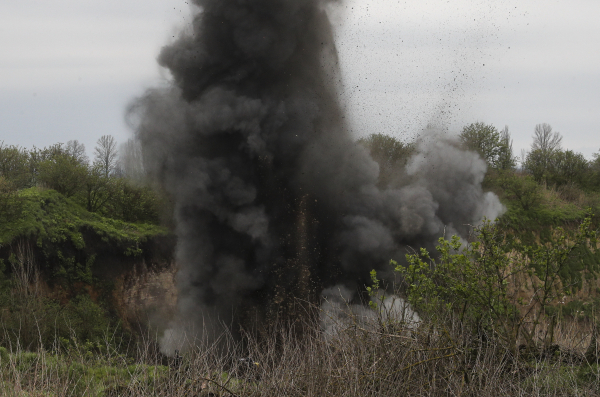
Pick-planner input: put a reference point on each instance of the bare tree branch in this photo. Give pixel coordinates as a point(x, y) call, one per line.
point(105, 154)
point(545, 140)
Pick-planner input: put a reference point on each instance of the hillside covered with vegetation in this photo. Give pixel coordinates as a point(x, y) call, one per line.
point(69, 230)
point(511, 310)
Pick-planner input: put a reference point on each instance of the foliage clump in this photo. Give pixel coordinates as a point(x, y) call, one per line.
point(55, 222)
point(495, 147)
point(481, 282)
point(100, 187)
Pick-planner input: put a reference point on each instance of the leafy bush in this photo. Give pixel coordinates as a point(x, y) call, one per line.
point(60, 242)
point(14, 166)
point(11, 204)
point(64, 174)
point(480, 282)
point(522, 189)
point(558, 167)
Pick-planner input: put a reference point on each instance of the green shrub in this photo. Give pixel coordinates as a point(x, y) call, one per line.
point(479, 282)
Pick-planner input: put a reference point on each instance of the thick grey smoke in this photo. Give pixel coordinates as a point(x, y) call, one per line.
point(273, 198)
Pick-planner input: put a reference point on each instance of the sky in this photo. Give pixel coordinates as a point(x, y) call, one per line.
point(68, 68)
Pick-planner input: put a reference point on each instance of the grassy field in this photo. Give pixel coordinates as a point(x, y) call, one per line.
point(363, 357)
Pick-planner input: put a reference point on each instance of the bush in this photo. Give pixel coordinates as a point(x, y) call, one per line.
point(14, 166)
point(479, 283)
point(133, 203)
point(64, 174)
point(558, 167)
point(11, 204)
point(522, 189)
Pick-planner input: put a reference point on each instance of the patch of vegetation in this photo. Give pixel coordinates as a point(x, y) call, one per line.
point(31, 321)
point(75, 373)
point(476, 334)
point(479, 283)
point(53, 256)
point(68, 228)
point(67, 238)
point(51, 218)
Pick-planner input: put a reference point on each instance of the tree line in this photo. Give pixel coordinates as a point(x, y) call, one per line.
point(520, 179)
point(546, 163)
point(112, 184)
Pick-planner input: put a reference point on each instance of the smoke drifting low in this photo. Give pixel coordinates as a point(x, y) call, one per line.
point(273, 198)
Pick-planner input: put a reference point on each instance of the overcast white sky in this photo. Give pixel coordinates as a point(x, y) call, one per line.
point(68, 68)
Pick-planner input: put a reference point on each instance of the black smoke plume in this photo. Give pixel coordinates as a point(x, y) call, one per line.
point(273, 198)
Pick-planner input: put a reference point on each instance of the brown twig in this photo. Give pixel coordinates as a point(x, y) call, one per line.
point(390, 335)
point(219, 385)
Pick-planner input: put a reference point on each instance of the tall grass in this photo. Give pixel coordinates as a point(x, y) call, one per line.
point(363, 357)
point(356, 352)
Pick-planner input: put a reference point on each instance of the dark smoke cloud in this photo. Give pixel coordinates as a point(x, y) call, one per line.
point(273, 198)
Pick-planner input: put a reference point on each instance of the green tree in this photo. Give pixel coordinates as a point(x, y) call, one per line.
point(11, 204)
point(35, 158)
point(522, 188)
point(38, 156)
point(537, 165)
point(493, 147)
point(390, 153)
point(14, 165)
point(98, 189)
point(506, 159)
point(133, 203)
point(63, 173)
point(558, 167)
point(594, 179)
point(568, 167)
point(540, 160)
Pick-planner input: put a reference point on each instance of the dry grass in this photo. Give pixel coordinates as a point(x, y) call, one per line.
point(363, 358)
point(364, 355)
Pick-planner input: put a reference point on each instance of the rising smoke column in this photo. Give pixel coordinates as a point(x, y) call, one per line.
point(273, 198)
